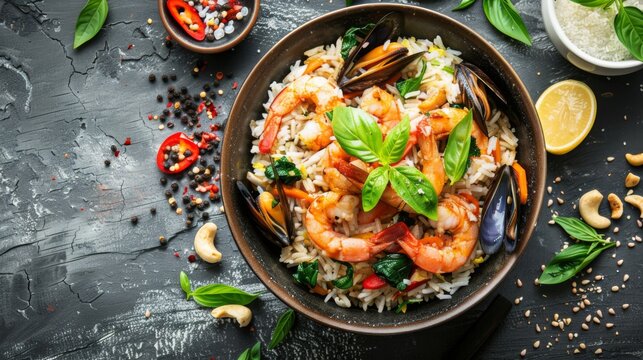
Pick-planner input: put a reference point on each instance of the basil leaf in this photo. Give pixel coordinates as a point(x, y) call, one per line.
point(253, 353)
point(350, 38)
point(415, 189)
point(401, 307)
point(592, 3)
point(628, 25)
point(474, 151)
point(215, 295)
point(284, 324)
point(185, 284)
point(396, 141)
point(463, 5)
point(345, 281)
point(90, 20)
point(503, 16)
point(412, 84)
point(287, 171)
point(570, 261)
point(357, 133)
point(578, 229)
point(394, 268)
point(306, 273)
point(456, 153)
point(374, 187)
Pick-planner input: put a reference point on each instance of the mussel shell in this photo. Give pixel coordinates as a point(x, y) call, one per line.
point(381, 60)
point(378, 74)
point(486, 80)
point(473, 96)
point(388, 27)
point(511, 233)
point(494, 213)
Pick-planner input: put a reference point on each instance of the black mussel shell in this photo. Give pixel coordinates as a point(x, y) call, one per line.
point(494, 213)
point(511, 234)
point(379, 74)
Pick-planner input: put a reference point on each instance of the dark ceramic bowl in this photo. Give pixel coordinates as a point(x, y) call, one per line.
point(242, 29)
point(263, 257)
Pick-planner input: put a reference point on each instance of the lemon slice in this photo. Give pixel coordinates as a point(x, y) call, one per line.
point(567, 111)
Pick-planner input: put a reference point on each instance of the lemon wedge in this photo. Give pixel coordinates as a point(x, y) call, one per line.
point(567, 111)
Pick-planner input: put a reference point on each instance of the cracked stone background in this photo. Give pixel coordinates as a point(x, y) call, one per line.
point(76, 277)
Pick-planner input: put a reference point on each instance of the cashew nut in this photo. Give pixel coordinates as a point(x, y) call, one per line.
point(635, 200)
point(588, 206)
point(204, 243)
point(242, 314)
point(634, 159)
point(616, 205)
point(631, 180)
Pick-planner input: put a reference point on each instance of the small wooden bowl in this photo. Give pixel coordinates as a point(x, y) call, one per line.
point(217, 46)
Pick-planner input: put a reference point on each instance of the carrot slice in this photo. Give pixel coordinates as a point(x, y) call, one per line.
point(313, 65)
point(294, 193)
point(496, 151)
point(522, 181)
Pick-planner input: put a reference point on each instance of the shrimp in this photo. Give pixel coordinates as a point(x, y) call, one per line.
point(381, 104)
point(443, 253)
point(335, 180)
point(431, 162)
point(332, 207)
point(435, 99)
point(445, 119)
point(307, 89)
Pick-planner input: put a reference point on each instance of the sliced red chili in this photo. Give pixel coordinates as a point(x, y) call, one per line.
point(176, 154)
point(185, 15)
point(373, 282)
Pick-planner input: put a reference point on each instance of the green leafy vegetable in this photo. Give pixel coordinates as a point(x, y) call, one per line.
point(401, 307)
point(570, 261)
point(628, 25)
point(503, 16)
point(215, 295)
point(374, 187)
point(578, 229)
point(415, 189)
point(449, 69)
point(474, 151)
point(357, 133)
point(90, 20)
point(412, 84)
point(306, 273)
point(253, 353)
point(593, 3)
point(185, 283)
point(456, 154)
point(287, 171)
point(350, 37)
point(396, 141)
point(394, 268)
point(284, 324)
point(463, 5)
point(345, 281)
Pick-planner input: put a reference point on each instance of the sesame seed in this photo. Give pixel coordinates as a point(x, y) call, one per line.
point(537, 328)
point(610, 158)
point(620, 262)
point(596, 320)
point(148, 313)
point(554, 323)
point(576, 351)
point(587, 302)
point(631, 245)
point(616, 229)
point(517, 301)
point(582, 346)
point(585, 282)
point(588, 318)
point(625, 306)
point(589, 270)
point(626, 277)
point(599, 313)
point(518, 283)
point(598, 277)
point(560, 201)
point(536, 344)
point(536, 281)
point(551, 222)
point(584, 326)
point(558, 179)
point(549, 189)
point(611, 311)
point(575, 309)
point(523, 353)
point(570, 336)
point(550, 202)
point(615, 288)
point(598, 351)
point(527, 313)
point(609, 325)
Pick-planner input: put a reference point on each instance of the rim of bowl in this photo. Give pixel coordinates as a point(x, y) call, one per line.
point(204, 49)
point(551, 14)
point(469, 301)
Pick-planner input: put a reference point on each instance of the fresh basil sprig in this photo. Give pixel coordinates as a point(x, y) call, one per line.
point(412, 84)
point(401, 307)
point(350, 37)
point(306, 273)
point(360, 136)
point(215, 295)
point(284, 324)
point(345, 281)
point(570, 261)
point(503, 16)
point(578, 229)
point(286, 170)
point(90, 20)
point(628, 25)
point(463, 5)
point(456, 154)
point(253, 353)
point(394, 268)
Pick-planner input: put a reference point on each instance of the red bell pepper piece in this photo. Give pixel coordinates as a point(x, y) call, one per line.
point(185, 144)
point(373, 282)
point(178, 7)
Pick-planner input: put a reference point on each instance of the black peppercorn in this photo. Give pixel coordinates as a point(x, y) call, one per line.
point(210, 37)
point(206, 87)
point(201, 206)
point(170, 125)
point(205, 216)
point(107, 162)
point(113, 148)
point(174, 186)
point(177, 113)
point(198, 178)
point(207, 176)
point(190, 217)
point(173, 77)
point(186, 199)
point(168, 43)
point(190, 174)
point(168, 194)
point(189, 207)
point(153, 211)
point(165, 78)
point(162, 240)
point(203, 162)
point(193, 184)
point(215, 197)
point(215, 83)
point(171, 89)
point(164, 181)
point(184, 90)
point(212, 168)
point(188, 223)
point(134, 220)
point(216, 157)
point(159, 98)
point(152, 78)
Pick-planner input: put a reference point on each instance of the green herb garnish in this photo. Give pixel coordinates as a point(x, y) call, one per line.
point(215, 295)
point(360, 136)
point(350, 37)
point(306, 273)
point(456, 154)
point(90, 20)
point(253, 353)
point(287, 171)
point(284, 324)
point(345, 281)
point(394, 268)
point(412, 84)
point(463, 5)
point(503, 16)
point(401, 307)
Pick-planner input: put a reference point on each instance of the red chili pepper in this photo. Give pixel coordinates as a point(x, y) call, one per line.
point(176, 7)
point(184, 144)
point(150, 117)
point(373, 282)
point(200, 108)
point(235, 85)
point(128, 141)
point(219, 75)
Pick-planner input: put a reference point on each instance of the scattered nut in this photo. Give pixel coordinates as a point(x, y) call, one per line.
point(635, 200)
point(588, 207)
point(616, 205)
point(631, 180)
point(634, 159)
point(204, 243)
point(242, 314)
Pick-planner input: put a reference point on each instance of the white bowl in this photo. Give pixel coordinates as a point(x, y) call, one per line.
point(575, 55)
